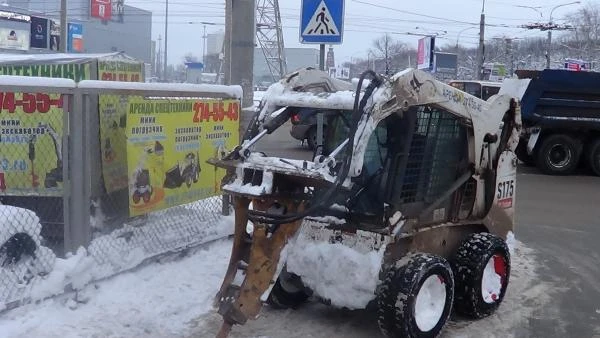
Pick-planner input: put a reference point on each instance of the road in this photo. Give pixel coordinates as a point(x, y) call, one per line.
point(556, 277)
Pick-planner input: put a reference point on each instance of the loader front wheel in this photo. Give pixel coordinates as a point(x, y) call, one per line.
point(481, 269)
point(288, 292)
point(415, 297)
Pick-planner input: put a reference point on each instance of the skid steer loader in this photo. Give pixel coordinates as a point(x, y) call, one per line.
point(415, 176)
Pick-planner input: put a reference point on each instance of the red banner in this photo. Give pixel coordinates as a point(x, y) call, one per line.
point(101, 9)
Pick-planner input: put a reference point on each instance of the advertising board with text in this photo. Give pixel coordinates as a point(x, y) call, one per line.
point(31, 133)
point(168, 144)
point(101, 9)
point(113, 118)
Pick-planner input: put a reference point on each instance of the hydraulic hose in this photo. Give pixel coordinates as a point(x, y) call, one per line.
point(327, 198)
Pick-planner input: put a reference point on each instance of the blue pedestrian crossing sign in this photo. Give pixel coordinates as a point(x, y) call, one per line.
point(322, 21)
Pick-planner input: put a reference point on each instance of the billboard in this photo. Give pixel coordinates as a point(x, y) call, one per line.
point(39, 32)
point(113, 117)
point(31, 130)
point(425, 50)
point(101, 9)
point(577, 65)
point(54, 36)
point(340, 73)
point(168, 144)
point(15, 30)
point(75, 38)
point(445, 65)
point(17, 39)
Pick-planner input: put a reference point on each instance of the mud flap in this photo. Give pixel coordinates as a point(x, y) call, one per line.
point(258, 256)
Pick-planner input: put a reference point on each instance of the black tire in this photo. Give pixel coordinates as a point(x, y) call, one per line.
point(593, 156)
point(288, 292)
point(397, 296)
point(522, 155)
point(558, 155)
point(469, 264)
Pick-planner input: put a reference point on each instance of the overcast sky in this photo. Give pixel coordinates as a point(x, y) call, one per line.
point(365, 20)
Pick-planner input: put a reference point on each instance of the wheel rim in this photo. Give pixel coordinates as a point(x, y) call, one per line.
point(559, 156)
point(493, 278)
point(430, 303)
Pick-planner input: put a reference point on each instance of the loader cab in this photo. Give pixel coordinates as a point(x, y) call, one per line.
point(412, 160)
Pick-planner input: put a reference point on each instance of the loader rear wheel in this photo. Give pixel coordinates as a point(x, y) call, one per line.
point(288, 292)
point(593, 156)
point(482, 270)
point(558, 155)
point(415, 297)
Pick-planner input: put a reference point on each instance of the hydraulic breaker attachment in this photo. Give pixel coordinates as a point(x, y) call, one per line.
point(255, 257)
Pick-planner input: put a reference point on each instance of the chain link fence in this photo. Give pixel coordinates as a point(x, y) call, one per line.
point(112, 211)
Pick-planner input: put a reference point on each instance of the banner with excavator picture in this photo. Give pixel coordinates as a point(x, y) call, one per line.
point(31, 133)
point(168, 144)
point(113, 117)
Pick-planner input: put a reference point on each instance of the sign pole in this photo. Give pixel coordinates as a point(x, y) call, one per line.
point(322, 22)
point(62, 44)
point(322, 56)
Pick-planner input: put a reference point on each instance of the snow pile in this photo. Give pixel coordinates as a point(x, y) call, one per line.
point(14, 279)
point(129, 246)
point(158, 300)
point(336, 272)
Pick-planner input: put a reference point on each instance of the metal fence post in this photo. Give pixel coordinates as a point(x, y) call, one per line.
point(77, 210)
point(226, 204)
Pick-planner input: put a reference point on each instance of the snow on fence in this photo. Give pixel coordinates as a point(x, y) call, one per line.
point(68, 216)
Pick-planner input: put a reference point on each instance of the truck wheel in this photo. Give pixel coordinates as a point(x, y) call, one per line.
point(288, 292)
point(481, 269)
point(558, 155)
point(522, 155)
point(593, 157)
point(415, 297)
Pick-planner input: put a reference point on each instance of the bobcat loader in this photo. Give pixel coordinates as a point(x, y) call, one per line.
point(416, 177)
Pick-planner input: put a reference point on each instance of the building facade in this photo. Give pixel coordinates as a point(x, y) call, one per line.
point(93, 27)
point(295, 57)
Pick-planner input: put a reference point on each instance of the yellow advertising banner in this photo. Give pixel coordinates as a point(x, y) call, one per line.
point(113, 118)
point(168, 144)
point(31, 133)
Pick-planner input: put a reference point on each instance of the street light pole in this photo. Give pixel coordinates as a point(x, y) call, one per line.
point(166, 36)
point(480, 51)
point(62, 43)
point(204, 44)
point(549, 42)
point(204, 48)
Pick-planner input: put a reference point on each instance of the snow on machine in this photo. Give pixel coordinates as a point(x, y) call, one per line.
point(409, 204)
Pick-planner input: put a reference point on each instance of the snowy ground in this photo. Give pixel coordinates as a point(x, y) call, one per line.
point(172, 297)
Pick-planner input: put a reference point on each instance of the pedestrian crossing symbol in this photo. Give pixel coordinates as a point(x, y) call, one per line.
point(322, 21)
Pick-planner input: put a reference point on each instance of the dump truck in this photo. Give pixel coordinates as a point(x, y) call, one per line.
point(561, 119)
point(409, 206)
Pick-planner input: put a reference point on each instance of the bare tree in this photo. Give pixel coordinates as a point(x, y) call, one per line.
point(585, 39)
point(388, 49)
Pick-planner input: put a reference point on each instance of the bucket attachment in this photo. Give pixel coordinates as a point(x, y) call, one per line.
point(257, 257)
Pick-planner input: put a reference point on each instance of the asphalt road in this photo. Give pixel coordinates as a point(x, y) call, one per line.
point(557, 217)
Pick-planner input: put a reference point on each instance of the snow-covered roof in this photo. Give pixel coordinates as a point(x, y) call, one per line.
point(14, 59)
point(210, 90)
